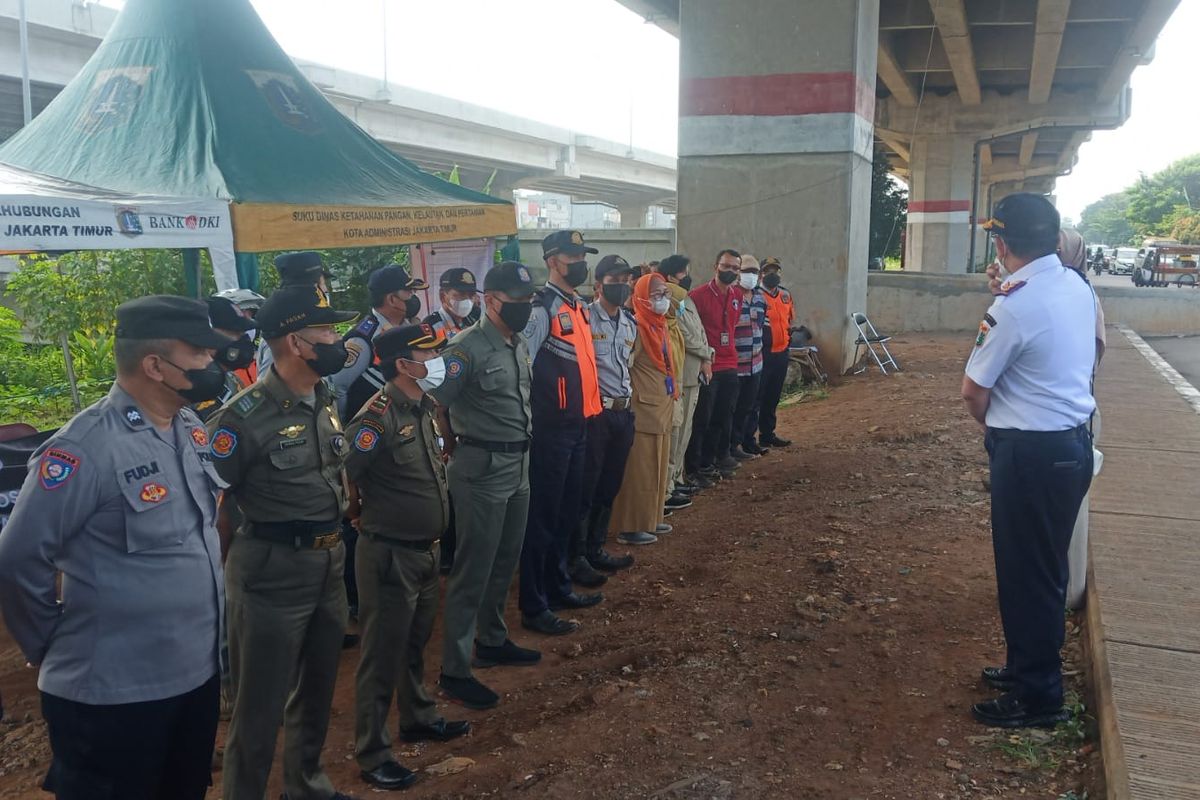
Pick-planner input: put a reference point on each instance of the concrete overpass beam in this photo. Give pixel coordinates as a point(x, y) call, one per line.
point(775, 138)
point(633, 213)
point(951, 19)
point(1047, 42)
point(939, 204)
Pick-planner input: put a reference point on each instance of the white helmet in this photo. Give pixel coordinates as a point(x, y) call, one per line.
point(245, 299)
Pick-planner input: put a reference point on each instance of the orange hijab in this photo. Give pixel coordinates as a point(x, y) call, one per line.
point(652, 329)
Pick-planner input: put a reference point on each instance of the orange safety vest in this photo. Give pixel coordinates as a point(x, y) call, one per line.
point(565, 382)
point(780, 314)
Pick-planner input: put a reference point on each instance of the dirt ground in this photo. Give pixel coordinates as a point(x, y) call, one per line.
point(812, 629)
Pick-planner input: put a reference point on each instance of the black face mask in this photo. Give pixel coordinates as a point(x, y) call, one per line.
point(412, 307)
point(516, 315)
point(727, 277)
point(577, 272)
point(616, 294)
point(207, 383)
point(772, 281)
point(238, 354)
point(685, 282)
point(328, 358)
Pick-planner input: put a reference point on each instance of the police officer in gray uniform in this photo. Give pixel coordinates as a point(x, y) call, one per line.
point(279, 445)
point(122, 501)
point(484, 380)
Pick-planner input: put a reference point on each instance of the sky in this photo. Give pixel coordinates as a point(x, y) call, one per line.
point(596, 68)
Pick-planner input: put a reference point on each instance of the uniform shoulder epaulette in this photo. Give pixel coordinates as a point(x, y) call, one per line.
point(1010, 287)
point(379, 404)
point(629, 315)
point(245, 401)
point(546, 298)
point(365, 329)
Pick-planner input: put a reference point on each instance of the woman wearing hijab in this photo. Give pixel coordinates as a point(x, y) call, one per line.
point(675, 501)
point(638, 510)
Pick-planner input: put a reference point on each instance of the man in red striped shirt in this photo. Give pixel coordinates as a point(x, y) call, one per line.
point(719, 309)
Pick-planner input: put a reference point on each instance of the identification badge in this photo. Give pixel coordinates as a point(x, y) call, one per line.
point(724, 338)
point(566, 323)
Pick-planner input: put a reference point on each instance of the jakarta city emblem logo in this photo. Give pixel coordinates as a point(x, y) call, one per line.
point(285, 97)
point(114, 94)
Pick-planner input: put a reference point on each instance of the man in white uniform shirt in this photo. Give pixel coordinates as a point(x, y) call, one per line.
point(1028, 381)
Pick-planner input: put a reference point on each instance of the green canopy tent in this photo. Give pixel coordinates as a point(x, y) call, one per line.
point(196, 99)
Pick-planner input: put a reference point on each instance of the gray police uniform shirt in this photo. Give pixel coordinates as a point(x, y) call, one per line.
point(612, 339)
point(1036, 348)
point(127, 513)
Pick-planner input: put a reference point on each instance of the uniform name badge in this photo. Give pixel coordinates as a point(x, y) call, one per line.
point(566, 323)
point(724, 338)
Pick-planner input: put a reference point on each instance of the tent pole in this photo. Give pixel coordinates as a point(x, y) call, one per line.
point(247, 270)
point(191, 271)
point(26, 92)
point(72, 380)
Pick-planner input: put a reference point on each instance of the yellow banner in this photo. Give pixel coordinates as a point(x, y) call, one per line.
point(260, 228)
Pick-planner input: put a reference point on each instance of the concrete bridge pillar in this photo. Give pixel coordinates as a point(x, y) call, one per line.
point(777, 101)
point(633, 213)
point(939, 203)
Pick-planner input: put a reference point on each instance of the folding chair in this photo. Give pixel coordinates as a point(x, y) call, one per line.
point(868, 338)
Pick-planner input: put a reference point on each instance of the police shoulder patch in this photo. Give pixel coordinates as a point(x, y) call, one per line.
point(456, 364)
point(199, 436)
point(984, 330)
point(366, 439)
point(224, 442)
point(57, 467)
point(354, 348)
point(249, 400)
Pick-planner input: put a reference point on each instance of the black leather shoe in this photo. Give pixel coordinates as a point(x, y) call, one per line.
point(753, 449)
point(548, 623)
point(576, 600)
point(636, 537)
point(506, 655)
point(998, 678)
point(677, 501)
point(350, 641)
point(740, 454)
point(1010, 711)
point(686, 489)
point(712, 472)
point(390, 776)
point(702, 482)
point(585, 574)
point(440, 731)
point(726, 463)
point(608, 562)
point(774, 441)
point(469, 692)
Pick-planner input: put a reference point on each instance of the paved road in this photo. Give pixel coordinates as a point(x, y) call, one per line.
point(1181, 352)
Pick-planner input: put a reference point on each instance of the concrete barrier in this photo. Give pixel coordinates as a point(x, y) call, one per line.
point(916, 302)
point(635, 245)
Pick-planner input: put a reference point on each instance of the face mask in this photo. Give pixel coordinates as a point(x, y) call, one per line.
point(616, 294)
point(748, 280)
point(461, 308)
point(328, 358)
point(772, 281)
point(727, 277)
point(686, 282)
point(207, 383)
point(1002, 274)
point(577, 272)
point(662, 305)
point(412, 306)
point(516, 315)
point(435, 369)
point(238, 354)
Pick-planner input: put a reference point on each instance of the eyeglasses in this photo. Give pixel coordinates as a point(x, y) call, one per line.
point(659, 295)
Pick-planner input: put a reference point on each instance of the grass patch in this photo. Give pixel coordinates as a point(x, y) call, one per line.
point(798, 393)
point(1048, 750)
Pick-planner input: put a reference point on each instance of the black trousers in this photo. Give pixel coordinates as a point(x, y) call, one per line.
point(555, 490)
point(158, 750)
point(774, 376)
point(449, 540)
point(1038, 482)
point(609, 440)
point(713, 423)
point(745, 413)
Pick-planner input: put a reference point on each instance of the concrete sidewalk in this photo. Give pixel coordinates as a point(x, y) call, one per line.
point(1143, 615)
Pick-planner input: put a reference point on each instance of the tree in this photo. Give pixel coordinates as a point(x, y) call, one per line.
point(889, 210)
point(1106, 221)
point(1155, 200)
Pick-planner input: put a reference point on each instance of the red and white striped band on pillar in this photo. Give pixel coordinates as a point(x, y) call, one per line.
point(925, 212)
point(804, 112)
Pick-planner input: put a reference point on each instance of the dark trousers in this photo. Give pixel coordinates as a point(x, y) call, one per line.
point(774, 376)
point(609, 439)
point(350, 576)
point(1038, 482)
point(555, 490)
point(713, 422)
point(157, 750)
point(745, 413)
point(449, 540)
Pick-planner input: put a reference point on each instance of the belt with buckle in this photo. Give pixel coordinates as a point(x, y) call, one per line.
point(615, 403)
point(495, 447)
point(302, 535)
